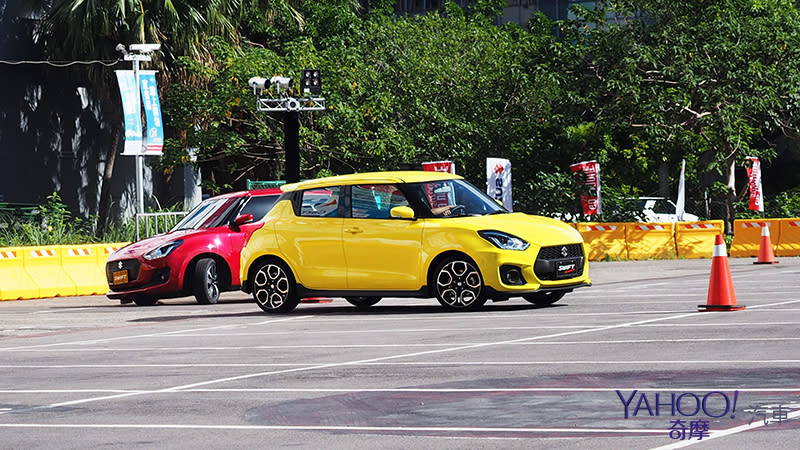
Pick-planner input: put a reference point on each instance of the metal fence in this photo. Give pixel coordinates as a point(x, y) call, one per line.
point(156, 223)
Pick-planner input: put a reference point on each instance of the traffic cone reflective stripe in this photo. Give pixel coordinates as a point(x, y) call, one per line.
point(721, 295)
point(765, 253)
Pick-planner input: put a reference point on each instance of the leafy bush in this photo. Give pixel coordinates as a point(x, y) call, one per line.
point(52, 225)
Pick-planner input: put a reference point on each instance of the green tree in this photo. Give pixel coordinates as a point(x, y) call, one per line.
point(82, 29)
point(400, 91)
point(710, 81)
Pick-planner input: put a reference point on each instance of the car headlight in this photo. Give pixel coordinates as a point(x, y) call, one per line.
point(504, 240)
point(163, 251)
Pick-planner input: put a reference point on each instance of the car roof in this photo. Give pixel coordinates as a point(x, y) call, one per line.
point(250, 193)
point(407, 176)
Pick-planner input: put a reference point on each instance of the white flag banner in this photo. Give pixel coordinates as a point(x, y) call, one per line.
point(132, 112)
point(498, 180)
point(680, 205)
point(152, 112)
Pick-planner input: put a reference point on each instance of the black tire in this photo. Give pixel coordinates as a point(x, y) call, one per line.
point(144, 301)
point(458, 285)
point(274, 287)
point(544, 298)
point(362, 302)
point(205, 282)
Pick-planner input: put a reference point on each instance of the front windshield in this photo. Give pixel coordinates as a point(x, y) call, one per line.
point(200, 215)
point(454, 198)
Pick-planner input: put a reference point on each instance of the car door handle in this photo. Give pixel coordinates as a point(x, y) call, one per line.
point(354, 230)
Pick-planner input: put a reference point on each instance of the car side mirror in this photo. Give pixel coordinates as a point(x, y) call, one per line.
point(402, 212)
point(241, 220)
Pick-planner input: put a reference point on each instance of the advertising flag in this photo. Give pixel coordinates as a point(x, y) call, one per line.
point(754, 183)
point(498, 180)
point(154, 142)
point(439, 166)
point(680, 205)
point(131, 111)
point(587, 174)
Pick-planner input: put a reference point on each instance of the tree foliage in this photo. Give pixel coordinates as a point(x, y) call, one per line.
point(636, 84)
point(709, 81)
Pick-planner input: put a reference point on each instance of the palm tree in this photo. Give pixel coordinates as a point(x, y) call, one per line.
point(91, 29)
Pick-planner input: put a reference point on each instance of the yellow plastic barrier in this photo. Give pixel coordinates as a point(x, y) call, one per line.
point(696, 239)
point(747, 236)
point(15, 283)
point(789, 243)
point(605, 240)
point(650, 240)
point(43, 264)
point(80, 264)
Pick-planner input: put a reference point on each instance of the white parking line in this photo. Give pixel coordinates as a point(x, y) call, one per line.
point(728, 432)
point(432, 390)
point(137, 336)
point(352, 428)
point(405, 355)
point(411, 363)
point(370, 360)
point(360, 346)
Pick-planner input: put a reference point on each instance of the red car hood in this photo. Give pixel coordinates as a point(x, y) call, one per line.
point(139, 248)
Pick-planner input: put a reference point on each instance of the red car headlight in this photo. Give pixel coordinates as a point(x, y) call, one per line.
point(163, 251)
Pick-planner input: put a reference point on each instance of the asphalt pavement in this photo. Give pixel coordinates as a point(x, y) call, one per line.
point(626, 363)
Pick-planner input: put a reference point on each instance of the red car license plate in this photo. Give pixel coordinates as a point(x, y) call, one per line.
point(119, 277)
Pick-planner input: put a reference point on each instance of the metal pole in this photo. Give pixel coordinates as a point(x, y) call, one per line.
point(139, 158)
point(291, 139)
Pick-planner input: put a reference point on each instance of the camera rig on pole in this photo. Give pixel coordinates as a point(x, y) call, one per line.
point(274, 95)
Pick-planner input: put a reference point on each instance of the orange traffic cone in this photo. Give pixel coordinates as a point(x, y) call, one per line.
point(765, 254)
point(721, 296)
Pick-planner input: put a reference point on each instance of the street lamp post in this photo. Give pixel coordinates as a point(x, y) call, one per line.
point(138, 53)
point(290, 106)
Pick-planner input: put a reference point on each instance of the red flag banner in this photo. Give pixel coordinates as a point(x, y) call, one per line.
point(439, 166)
point(587, 174)
point(754, 183)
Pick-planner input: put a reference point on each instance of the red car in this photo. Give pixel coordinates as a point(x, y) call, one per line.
point(199, 256)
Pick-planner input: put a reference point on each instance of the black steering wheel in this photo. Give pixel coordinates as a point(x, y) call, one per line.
point(458, 210)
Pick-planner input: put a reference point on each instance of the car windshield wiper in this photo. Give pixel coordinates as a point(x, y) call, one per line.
point(499, 211)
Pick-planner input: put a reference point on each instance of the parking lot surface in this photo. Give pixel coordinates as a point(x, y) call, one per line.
point(626, 363)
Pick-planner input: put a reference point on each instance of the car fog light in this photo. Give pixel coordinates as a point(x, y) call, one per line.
point(512, 275)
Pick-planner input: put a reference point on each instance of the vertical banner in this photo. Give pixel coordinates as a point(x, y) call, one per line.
point(588, 176)
point(754, 183)
point(498, 180)
point(152, 112)
point(680, 205)
point(439, 166)
point(131, 111)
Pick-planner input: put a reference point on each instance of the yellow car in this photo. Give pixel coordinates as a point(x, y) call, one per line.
point(406, 234)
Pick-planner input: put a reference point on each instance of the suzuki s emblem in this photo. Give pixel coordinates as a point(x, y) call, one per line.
point(564, 251)
point(119, 265)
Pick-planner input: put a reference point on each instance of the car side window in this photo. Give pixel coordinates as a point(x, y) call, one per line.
point(320, 202)
point(375, 201)
point(259, 206)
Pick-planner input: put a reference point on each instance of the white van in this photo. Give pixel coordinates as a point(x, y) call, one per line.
point(661, 209)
